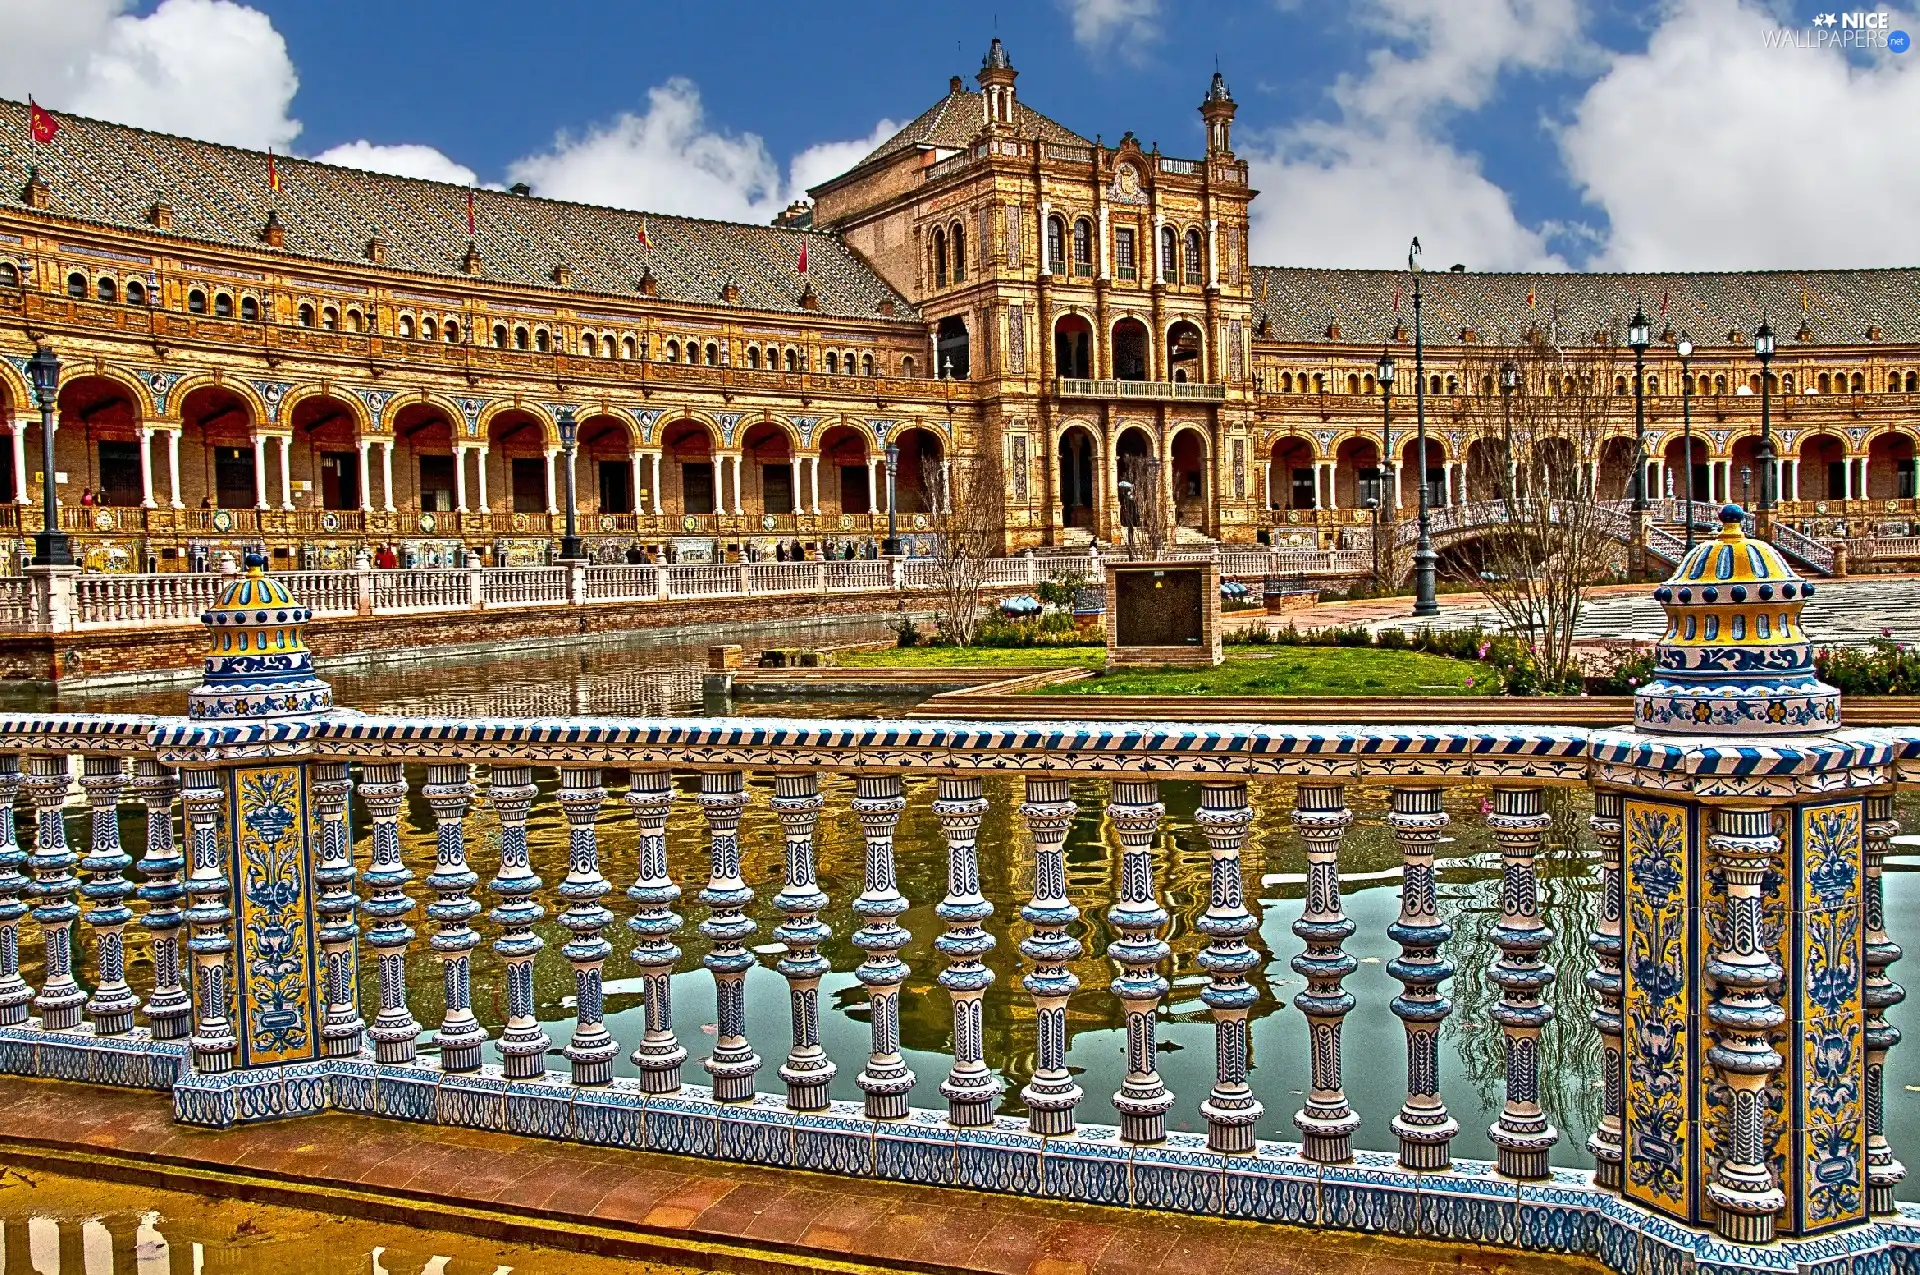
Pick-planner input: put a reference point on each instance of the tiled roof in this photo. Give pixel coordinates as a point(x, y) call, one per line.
point(957, 118)
point(112, 174)
point(1835, 307)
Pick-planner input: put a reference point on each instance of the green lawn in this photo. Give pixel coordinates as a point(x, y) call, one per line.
point(1300, 670)
point(975, 657)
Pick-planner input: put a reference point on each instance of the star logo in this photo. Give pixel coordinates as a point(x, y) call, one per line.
point(1825, 20)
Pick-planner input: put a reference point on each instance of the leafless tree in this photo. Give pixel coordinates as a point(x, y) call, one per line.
point(1542, 451)
point(966, 497)
point(1145, 509)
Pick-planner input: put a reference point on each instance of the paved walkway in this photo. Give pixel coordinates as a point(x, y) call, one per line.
point(674, 1209)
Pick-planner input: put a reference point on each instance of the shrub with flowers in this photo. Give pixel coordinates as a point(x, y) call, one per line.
point(1881, 667)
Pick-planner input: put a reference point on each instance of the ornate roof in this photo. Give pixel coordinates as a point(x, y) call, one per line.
point(1833, 307)
point(113, 174)
point(954, 121)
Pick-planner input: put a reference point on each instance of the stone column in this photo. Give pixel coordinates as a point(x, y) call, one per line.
point(173, 469)
point(286, 471)
point(15, 995)
point(634, 463)
point(146, 467)
point(732, 1063)
point(1522, 1135)
point(169, 1010)
point(522, 1045)
point(386, 474)
point(1230, 1110)
point(654, 923)
point(970, 1087)
point(383, 787)
point(480, 477)
point(656, 484)
point(1052, 1094)
point(808, 1071)
point(366, 479)
point(19, 439)
point(1607, 983)
point(737, 510)
point(1143, 1099)
point(459, 479)
point(1424, 1126)
point(449, 793)
point(1326, 1122)
point(54, 885)
point(553, 505)
point(593, 1048)
point(260, 471)
point(111, 1007)
point(886, 1080)
point(815, 469)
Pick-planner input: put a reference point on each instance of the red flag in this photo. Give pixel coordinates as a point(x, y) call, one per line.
point(1396, 299)
point(469, 214)
point(1664, 298)
point(645, 241)
point(43, 122)
point(803, 254)
point(1532, 300)
point(273, 173)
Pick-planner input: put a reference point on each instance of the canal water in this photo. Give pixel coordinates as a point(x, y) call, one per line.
point(1275, 867)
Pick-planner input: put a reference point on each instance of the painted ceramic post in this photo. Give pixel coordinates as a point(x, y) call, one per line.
point(970, 1087)
point(1143, 1099)
point(54, 911)
point(1327, 1122)
point(807, 1071)
point(522, 1044)
point(449, 793)
point(732, 1063)
point(1884, 1173)
point(1424, 1126)
point(383, 787)
point(15, 995)
point(209, 918)
point(1230, 1110)
point(886, 1080)
point(654, 923)
point(169, 1009)
point(111, 1007)
point(1051, 1095)
point(1523, 1135)
point(1605, 980)
point(593, 1048)
point(336, 906)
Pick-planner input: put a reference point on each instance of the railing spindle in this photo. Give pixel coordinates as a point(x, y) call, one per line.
point(1327, 1121)
point(342, 1030)
point(886, 1080)
point(1051, 1095)
point(1424, 1127)
point(1231, 1111)
point(659, 1054)
point(383, 786)
point(808, 1071)
point(522, 1045)
point(15, 995)
point(210, 916)
point(449, 793)
point(1522, 1135)
point(60, 999)
point(592, 1048)
point(971, 1088)
point(111, 1007)
point(1881, 994)
point(1143, 1099)
point(1607, 981)
point(732, 1063)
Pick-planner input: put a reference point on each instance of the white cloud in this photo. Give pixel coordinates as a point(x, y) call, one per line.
point(1711, 150)
point(1353, 190)
point(209, 69)
point(828, 160)
point(1125, 24)
point(405, 160)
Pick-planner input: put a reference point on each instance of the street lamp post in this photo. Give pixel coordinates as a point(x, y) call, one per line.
point(1763, 454)
point(1685, 349)
point(1509, 382)
point(891, 548)
point(1424, 603)
point(1128, 515)
point(1746, 480)
point(570, 548)
point(51, 546)
point(1639, 338)
point(1390, 464)
point(1373, 504)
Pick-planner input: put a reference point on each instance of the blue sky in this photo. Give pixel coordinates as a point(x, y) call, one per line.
point(1506, 133)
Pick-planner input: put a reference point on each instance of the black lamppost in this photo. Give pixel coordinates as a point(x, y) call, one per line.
point(1509, 382)
point(1127, 513)
point(1685, 350)
point(570, 548)
point(1746, 481)
point(1424, 603)
point(1639, 339)
point(1390, 466)
point(891, 548)
point(1763, 454)
point(1373, 503)
point(51, 546)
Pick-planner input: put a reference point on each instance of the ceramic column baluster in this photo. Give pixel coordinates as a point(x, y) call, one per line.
point(1881, 994)
point(523, 1045)
point(886, 1080)
point(659, 1054)
point(732, 1063)
point(169, 1009)
point(1607, 981)
point(1522, 1135)
point(54, 910)
point(808, 1070)
point(1143, 1099)
point(449, 793)
point(210, 919)
point(1424, 1127)
point(383, 786)
point(15, 995)
point(970, 1087)
point(1230, 1110)
point(1743, 1013)
point(1051, 1095)
point(111, 1007)
point(341, 1029)
point(593, 1048)
point(1327, 1122)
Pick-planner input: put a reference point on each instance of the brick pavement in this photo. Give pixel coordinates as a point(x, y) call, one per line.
point(706, 1214)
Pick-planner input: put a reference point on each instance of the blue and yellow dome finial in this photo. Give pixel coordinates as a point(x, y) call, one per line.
point(257, 664)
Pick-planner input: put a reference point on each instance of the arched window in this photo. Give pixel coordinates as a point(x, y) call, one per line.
point(1320, 383)
point(1893, 383)
point(1826, 383)
point(959, 252)
point(77, 286)
point(1193, 256)
point(1720, 383)
point(541, 341)
point(1913, 382)
point(406, 325)
point(1083, 247)
point(222, 306)
point(833, 362)
point(196, 302)
point(1169, 254)
point(499, 336)
point(1686, 384)
point(1056, 245)
point(626, 347)
point(939, 258)
point(1753, 383)
point(673, 351)
point(1453, 385)
point(753, 358)
point(1435, 387)
point(1786, 382)
point(713, 355)
point(9, 275)
point(355, 321)
point(589, 344)
point(452, 332)
point(519, 338)
point(249, 309)
point(793, 360)
point(906, 366)
point(306, 315)
point(1486, 385)
point(866, 365)
point(136, 292)
point(1653, 384)
point(1859, 383)
point(1619, 385)
point(108, 291)
point(330, 319)
point(429, 330)
point(1369, 385)
point(1353, 382)
point(1286, 382)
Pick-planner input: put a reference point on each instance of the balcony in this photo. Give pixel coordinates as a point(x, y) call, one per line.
point(1191, 391)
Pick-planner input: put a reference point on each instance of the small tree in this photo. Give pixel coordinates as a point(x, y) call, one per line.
point(966, 497)
point(1146, 508)
point(1538, 451)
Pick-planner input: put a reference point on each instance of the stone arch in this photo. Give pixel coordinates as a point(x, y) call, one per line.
point(299, 394)
point(1292, 471)
point(1190, 471)
point(689, 468)
point(1186, 346)
point(549, 432)
point(219, 422)
point(195, 382)
point(15, 394)
point(98, 440)
point(327, 429)
point(847, 449)
point(1890, 463)
point(1077, 445)
point(1073, 346)
point(607, 483)
point(920, 477)
point(1356, 471)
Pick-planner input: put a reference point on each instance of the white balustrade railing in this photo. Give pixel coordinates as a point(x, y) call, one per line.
point(695, 580)
point(524, 586)
point(16, 602)
point(622, 584)
point(422, 590)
